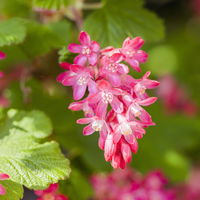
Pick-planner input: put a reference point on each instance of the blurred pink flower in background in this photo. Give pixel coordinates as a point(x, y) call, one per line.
point(195, 4)
point(130, 185)
point(174, 96)
point(51, 193)
point(190, 190)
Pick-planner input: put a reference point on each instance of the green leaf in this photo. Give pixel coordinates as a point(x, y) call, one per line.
point(34, 123)
point(14, 191)
point(12, 31)
point(111, 27)
point(50, 4)
point(32, 164)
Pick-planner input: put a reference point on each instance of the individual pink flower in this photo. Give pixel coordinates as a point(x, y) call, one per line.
point(135, 107)
point(113, 104)
point(79, 78)
point(88, 50)
point(82, 105)
point(2, 178)
point(130, 129)
point(143, 84)
point(51, 193)
point(132, 53)
point(105, 95)
point(111, 68)
point(95, 124)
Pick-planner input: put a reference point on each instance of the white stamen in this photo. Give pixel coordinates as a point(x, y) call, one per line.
point(136, 111)
point(112, 67)
point(97, 125)
point(86, 51)
point(125, 128)
point(107, 97)
point(82, 80)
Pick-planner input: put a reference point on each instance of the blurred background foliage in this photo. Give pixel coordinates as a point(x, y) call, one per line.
point(34, 38)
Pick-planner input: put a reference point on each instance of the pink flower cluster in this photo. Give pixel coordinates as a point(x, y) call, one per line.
point(51, 193)
point(174, 97)
point(113, 105)
point(190, 190)
point(2, 178)
point(130, 185)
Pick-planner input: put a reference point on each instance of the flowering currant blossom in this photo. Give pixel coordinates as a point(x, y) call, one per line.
point(88, 50)
point(128, 184)
point(3, 177)
point(51, 193)
point(114, 100)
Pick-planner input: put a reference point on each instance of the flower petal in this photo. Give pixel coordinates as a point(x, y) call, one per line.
point(79, 91)
point(76, 106)
point(84, 121)
point(148, 101)
point(92, 58)
point(130, 138)
point(126, 152)
point(76, 68)
point(84, 38)
point(116, 136)
point(65, 65)
point(80, 60)
point(95, 46)
point(75, 48)
point(134, 147)
point(95, 98)
point(134, 64)
point(109, 148)
point(92, 87)
point(101, 109)
point(68, 80)
point(117, 105)
point(88, 130)
point(123, 69)
point(141, 56)
point(4, 176)
point(114, 79)
point(101, 143)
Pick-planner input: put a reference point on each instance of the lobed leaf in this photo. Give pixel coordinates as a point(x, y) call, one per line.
point(111, 27)
point(32, 164)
